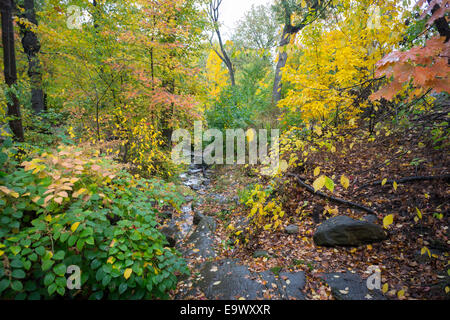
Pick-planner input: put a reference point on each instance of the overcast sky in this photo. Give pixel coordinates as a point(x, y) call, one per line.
point(231, 11)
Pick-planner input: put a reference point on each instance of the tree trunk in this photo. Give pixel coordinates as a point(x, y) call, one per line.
point(282, 58)
point(31, 47)
point(9, 62)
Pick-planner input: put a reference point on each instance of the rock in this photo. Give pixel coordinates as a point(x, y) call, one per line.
point(350, 286)
point(345, 231)
point(170, 232)
point(194, 171)
point(292, 229)
point(261, 253)
point(201, 241)
point(292, 285)
point(229, 280)
point(198, 216)
point(188, 198)
point(370, 218)
point(219, 198)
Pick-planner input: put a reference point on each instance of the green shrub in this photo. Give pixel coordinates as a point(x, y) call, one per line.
point(71, 208)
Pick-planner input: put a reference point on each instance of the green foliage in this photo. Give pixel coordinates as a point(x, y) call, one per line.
point(229, 111)
point(66, 208)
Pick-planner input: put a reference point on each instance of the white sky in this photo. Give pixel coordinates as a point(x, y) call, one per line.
point(231, 11)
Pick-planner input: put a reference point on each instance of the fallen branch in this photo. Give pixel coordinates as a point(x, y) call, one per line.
point(334, 199)
point(407, 180)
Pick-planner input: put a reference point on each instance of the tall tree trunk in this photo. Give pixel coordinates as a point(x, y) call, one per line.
point(282, 58)
point(31, 47)
point(10, 72)
point(214, 6)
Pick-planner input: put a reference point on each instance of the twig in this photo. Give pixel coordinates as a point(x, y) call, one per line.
point(334, 199)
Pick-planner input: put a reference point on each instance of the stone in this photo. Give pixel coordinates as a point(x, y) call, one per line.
point(198, 216)
point(292, 229)
point(292, 285)
point(345, 231)
point(170, 232)
point(201, 241)
point(188, 198)
point(370, 218)
point(261, 253)
point(350, 286)
point(227, 279)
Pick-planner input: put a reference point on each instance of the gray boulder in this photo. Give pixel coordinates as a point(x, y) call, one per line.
point(292, 229)
point(350, 286)
point(345, 231)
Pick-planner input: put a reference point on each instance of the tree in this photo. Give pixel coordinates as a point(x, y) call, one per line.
point(10, 72)
point(31, 46)
point(426, 68)
point(332, 67)
point(257, 30)
point(213, 12)
point(307, 11)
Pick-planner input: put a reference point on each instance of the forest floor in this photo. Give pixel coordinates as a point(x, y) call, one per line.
point(407, 271)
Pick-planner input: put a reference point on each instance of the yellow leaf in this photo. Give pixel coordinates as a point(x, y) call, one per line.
point(318, 130)
point(388, 220)
point(74, 226)
point(79, 192)
point(401, 293)
point(316, 171)
point(1, 252)
point(267, 226)
point(384, 181)
point(110, 260)
point(419, 214)
point(345, 182)
point(319, 183)
point(385, 288)
point(447, 289)
point(395, 185)
point(127, 273)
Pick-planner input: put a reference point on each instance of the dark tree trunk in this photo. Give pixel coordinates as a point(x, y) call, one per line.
point(214, 6)
point(282, 58)
point(9, 62)
point(31, 47)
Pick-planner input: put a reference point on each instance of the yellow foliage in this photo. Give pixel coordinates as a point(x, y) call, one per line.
point(329, 57)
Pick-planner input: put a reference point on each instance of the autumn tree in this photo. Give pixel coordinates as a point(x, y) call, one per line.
point(294, 16)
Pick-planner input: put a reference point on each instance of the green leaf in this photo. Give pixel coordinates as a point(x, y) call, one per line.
point(123, 287)
point(47, 264)
point(49, 278)
point(59, 255)
point(4, 284)
point(72, 240)
point(329, 184)
point(18, 274)
point(16, 285)
point(52, 288)
point(60, 269)
point(15, 250)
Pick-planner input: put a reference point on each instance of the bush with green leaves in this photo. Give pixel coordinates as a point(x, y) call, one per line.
point(68, 207)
